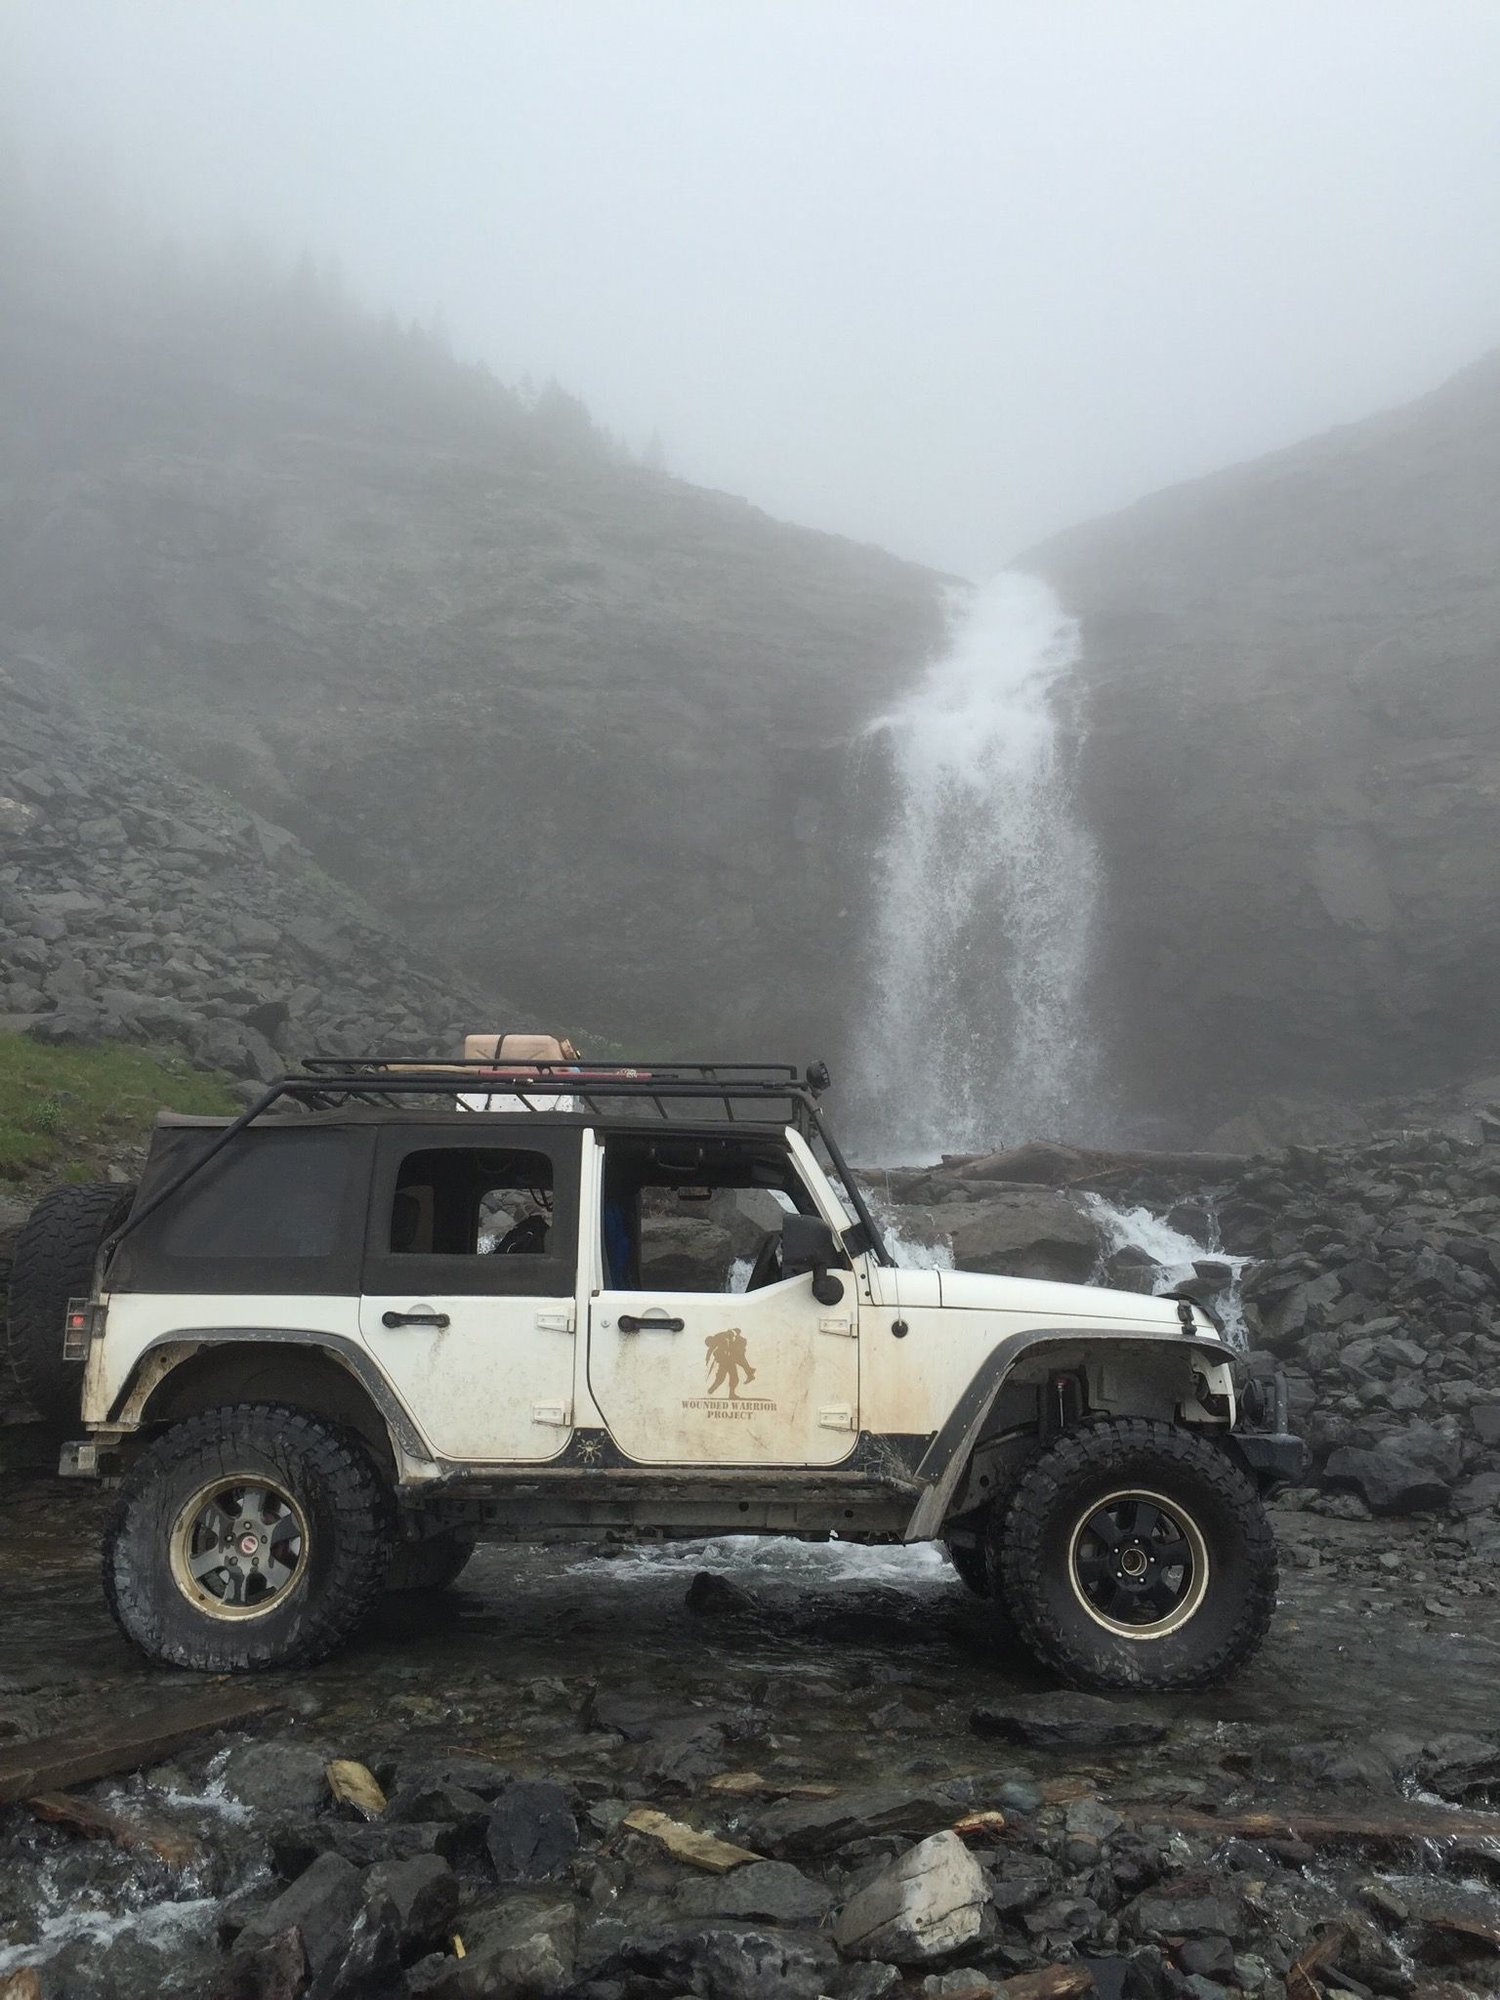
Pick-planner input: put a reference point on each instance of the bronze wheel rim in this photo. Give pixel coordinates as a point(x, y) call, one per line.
point(1138, 1564)
point(238, 1547)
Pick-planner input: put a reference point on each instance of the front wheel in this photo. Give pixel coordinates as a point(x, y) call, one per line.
point(254, 1536)
point(1135, 1554)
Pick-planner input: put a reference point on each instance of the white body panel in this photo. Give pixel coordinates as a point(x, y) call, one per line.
point(137, 1319)
point(910, 1383)
point(751, 1378)
point(493, 1386)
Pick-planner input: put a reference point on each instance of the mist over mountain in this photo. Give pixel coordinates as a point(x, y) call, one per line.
point(1292, 762)
point(575, 727)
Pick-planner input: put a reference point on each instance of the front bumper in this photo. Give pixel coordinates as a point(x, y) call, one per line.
point(1275, 1458)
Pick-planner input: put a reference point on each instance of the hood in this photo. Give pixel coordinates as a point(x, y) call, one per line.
point(1040, 1300)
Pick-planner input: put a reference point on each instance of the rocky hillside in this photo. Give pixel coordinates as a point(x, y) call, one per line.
point(573, 727)
point(1292, 765)
point(141, 904)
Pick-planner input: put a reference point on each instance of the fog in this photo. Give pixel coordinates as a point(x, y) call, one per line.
point(945, 277)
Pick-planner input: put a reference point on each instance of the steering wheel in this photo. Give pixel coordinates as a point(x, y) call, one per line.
point(766, 1270)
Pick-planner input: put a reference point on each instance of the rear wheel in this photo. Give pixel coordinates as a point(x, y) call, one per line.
point(248, 1537)
point(430, 1565)
point(54, 1262)
point(1135, 1554)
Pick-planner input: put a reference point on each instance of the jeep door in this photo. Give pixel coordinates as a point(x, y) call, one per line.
point(700, 1351)
point(470, 1279)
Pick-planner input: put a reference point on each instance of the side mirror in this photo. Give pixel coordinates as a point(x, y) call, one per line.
point(809, 1244)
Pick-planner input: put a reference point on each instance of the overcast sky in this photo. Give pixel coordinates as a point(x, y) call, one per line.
point(941, 275)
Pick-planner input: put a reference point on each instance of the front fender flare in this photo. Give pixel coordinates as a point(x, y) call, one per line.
point(943, 1463)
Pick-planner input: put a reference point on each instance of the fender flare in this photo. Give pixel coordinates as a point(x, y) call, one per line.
point(404, 1436)
point(945, 1459)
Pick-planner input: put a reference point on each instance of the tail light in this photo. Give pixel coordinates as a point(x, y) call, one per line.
point(85, 1318)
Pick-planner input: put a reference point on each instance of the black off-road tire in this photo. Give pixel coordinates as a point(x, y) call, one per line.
point(1200, 1485)
point(434, 1564)
point(329, 1475)
point(972, 1562)
point(52, 1263)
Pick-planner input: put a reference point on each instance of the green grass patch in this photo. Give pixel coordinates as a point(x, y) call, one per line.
point(65, 1111)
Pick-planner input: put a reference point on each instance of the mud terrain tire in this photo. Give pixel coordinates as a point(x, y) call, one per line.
point(162, 1576)
point(430, 1565)
point(971, 1561)
point(54, 1262)
point(1156, 1490)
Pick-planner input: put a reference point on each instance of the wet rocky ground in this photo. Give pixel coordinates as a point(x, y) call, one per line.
point(834, 1711)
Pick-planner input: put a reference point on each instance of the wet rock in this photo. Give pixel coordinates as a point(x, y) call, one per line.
point(1025, 1235)
point(1387, 1479)
point(294, 1847)
point(524, 1947)
point(1464, 1769)
point(928, 1904)
point(321, 1904)
point(1066, 1722)
point(712, 1596)
point(1064, 1919)
point(820, 1826)
point(865, 1981)
point(275, 1970)
point(277, 1777)
point(679, 1757)
point(1211, 1956)
point(532, 1834)
point(478, 1775)
point(1187, 1909)
point(423, 1892)
point(722, 1964)
point(370, 1961)
point(772, 1892)
point(1021, 1881)
point(436, 1803)
point(637, 1716)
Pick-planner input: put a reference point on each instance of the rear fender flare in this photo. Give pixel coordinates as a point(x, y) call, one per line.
point(162, 1357)
point(946, 1460)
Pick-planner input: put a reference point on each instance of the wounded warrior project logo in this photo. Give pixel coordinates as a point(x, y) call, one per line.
point(728, 1365)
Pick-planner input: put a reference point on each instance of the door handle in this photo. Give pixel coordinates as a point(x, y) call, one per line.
point(414, 1319)
point(627, 1323)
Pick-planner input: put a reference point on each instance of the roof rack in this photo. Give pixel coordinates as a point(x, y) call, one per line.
point(777, 1090)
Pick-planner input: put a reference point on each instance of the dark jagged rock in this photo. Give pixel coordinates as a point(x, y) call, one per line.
point(532, 1834)
point(1067, 1722)
point(714, 1596)
point(321, 1905)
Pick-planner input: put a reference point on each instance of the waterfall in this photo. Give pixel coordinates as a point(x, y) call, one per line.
point(985, 897)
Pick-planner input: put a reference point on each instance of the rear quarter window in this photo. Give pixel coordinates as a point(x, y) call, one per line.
point(276, 1211)
point(282, 1199)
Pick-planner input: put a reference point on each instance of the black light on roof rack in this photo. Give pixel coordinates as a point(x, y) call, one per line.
point(819, 1077)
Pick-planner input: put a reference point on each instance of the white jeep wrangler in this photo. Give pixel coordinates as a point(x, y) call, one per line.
point(379, 1317)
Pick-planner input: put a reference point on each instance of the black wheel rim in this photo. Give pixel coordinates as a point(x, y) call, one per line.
point(1138, 1564)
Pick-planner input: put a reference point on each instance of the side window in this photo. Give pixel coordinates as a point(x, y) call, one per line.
point(699, 1216)
point(461, 1202)
point(464, 1218)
